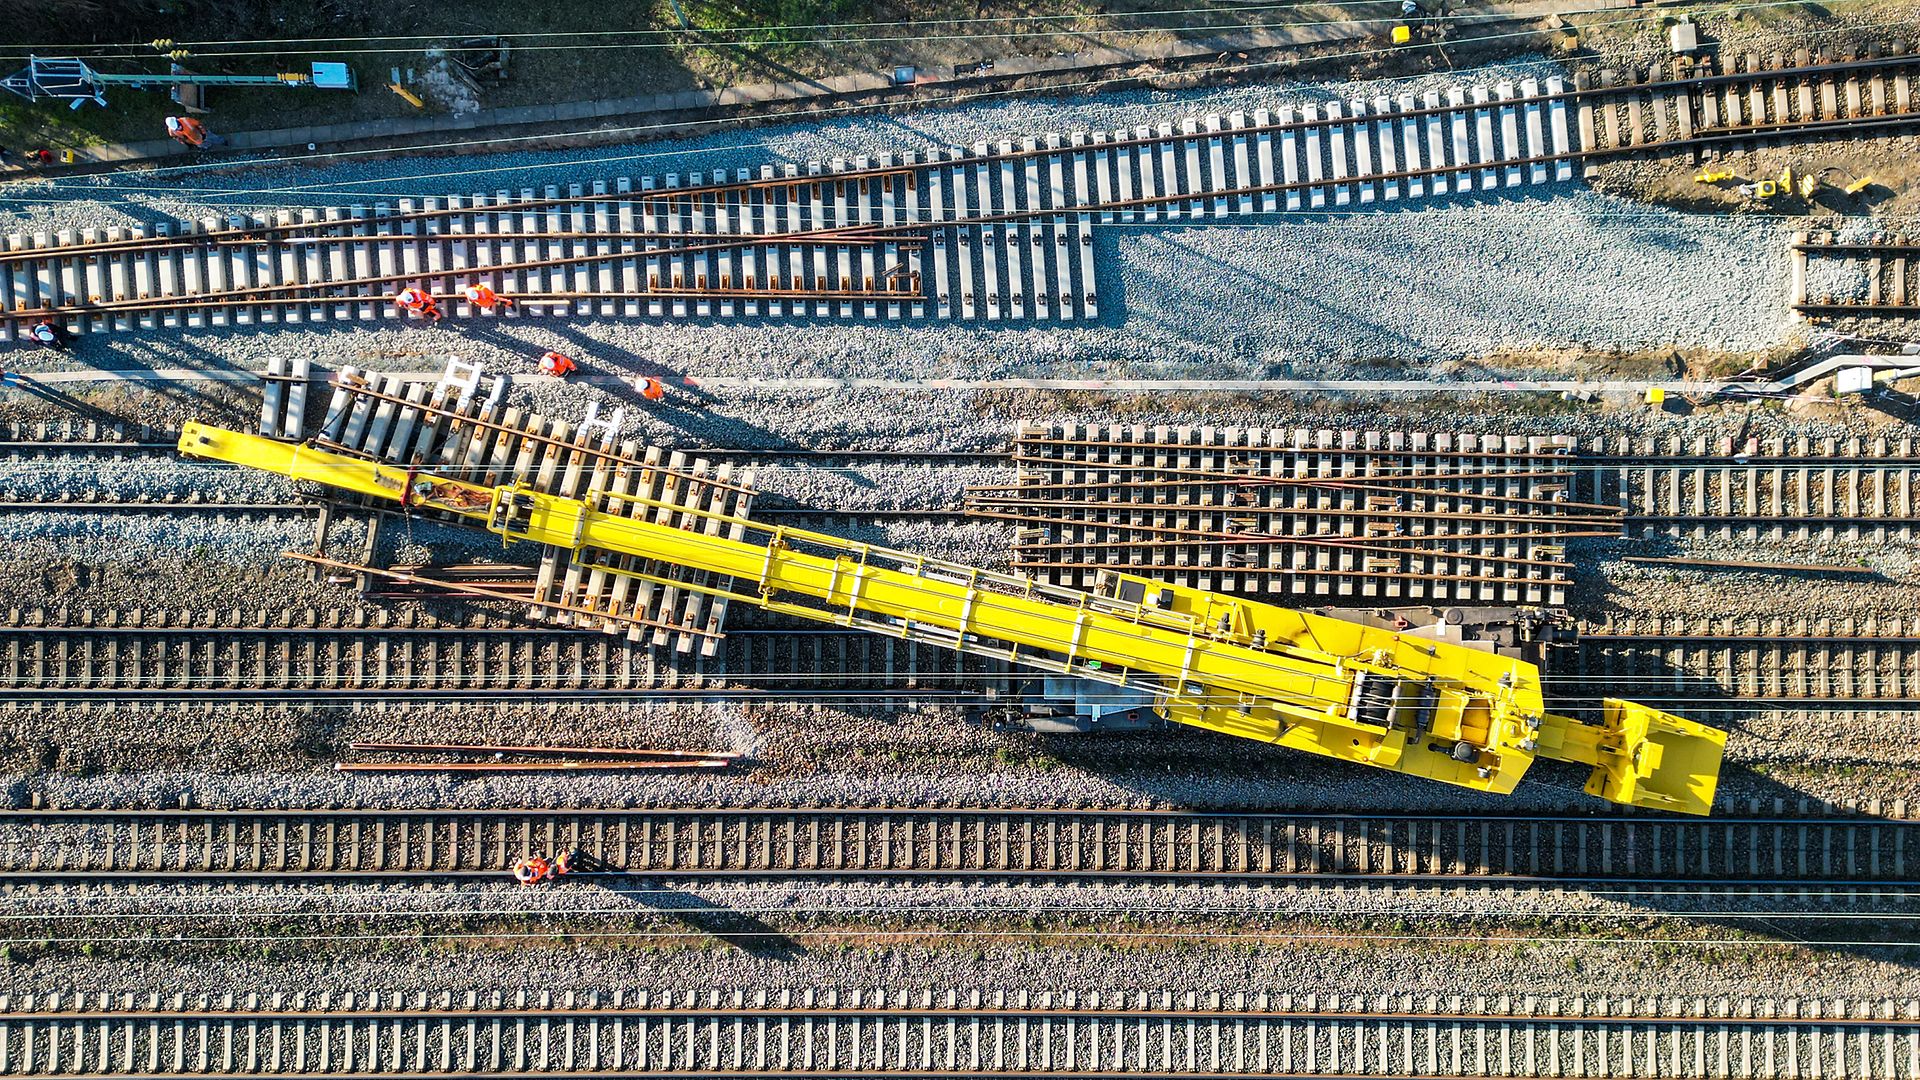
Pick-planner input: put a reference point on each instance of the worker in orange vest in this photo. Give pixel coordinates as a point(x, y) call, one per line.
point(485, 298)
point(417, 302)
point(653, 389)
point(557, 365)
point(531, 870)
point(191, 132)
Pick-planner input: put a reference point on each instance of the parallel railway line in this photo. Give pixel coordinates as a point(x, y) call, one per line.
point(1847, 854)
point(893, 1032)
point(1686, 664)
point(51, 665)
point(60, 659)
point(995, 231)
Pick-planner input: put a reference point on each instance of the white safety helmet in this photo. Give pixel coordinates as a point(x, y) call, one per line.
point(173, 125)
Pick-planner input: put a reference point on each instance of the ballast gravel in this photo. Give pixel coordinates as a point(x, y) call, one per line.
point(1301, 297)
point(1450, 277)
point(234, 184)
point(1549, 971)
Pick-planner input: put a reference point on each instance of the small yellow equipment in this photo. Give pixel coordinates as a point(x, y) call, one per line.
point(1859, 185)
point(1361, 694)
point(1712, 176)
point(1402, 34)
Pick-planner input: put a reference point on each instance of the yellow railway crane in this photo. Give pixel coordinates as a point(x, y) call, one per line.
point(1428, 708)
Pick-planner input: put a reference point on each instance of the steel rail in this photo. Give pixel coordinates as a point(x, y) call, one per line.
point(250, 239)
point(252, 294)
point(119, 506)
point(900, 1035)
point(1700, 137)
point(1369, 544)
point(1098, 443)
point(1032, 494)
point(1832, 307)
point(1709, 638)
point(920, 1011)
point(1855, 248)
point(1225, 569)
point(586, 694)
point(1499, 850)
point(1018, 153)
point(1014, 509)
point(1186, 478)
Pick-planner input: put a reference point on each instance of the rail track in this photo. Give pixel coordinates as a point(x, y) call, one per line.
point(50, 660)
point(1363, 516)
point(1773, 488)
point(1876, 278)
point(53, 660)
point(1844, 855)
point(868, 1032)
point(995, 232)
point(1686, 664)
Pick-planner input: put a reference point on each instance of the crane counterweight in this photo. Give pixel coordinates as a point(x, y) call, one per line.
point(1311, 682)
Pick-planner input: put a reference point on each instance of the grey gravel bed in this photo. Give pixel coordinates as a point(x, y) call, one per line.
point(1550, 266)
point(1305, 297)
point(198, 909)
point(1839, 761)
point(1544, 969)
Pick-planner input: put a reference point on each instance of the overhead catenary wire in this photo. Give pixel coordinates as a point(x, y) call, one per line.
point(722, 36)
point(145, 48)
point(864, 39)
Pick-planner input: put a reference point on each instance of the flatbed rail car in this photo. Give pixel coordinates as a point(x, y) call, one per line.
point(1413, 705)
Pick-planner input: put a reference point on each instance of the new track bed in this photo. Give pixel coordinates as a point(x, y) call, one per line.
point(992, 232)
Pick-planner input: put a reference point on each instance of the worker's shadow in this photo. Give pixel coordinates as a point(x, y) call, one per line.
point(749, 933)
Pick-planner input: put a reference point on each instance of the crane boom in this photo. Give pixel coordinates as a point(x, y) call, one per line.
point(1311, 682)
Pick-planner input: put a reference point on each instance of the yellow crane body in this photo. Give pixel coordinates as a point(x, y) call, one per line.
point(1436, 709)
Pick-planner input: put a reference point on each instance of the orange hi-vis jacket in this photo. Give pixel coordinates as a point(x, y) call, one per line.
point(187, 130)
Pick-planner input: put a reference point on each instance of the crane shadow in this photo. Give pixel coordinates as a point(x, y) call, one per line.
point(740, 929)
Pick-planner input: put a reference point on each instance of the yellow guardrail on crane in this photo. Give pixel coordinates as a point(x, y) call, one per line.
point(1310, 682)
